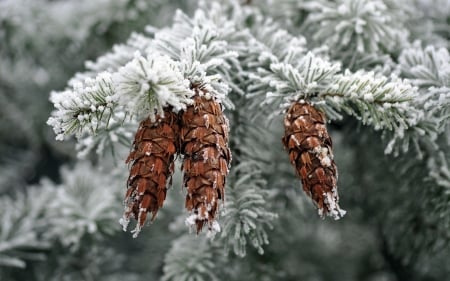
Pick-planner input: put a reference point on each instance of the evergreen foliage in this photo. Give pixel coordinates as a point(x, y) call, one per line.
point(378, 69)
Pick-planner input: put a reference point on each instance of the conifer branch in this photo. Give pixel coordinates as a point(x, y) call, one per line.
point(429, 69)
point(192, 258)
point(355, 27)
point(89, 106)
point(21, 221)
point(246, 216)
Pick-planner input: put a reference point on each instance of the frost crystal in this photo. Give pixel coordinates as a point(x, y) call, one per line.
point(146, 85)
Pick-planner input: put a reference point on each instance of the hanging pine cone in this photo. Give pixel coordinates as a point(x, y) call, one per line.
point(310, 151)
point(152, 165)
point(204, 143)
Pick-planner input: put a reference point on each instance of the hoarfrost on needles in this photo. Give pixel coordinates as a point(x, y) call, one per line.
point(148, 84)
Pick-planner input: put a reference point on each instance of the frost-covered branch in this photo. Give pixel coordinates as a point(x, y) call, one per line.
point(429, 69)
point(426, 67)
point(354, 27)
point(440, 171)
point(22, 221)
point(89, 106)
point(384, 103)
point(246, 216)
point(193, 51)
point(205, 46)
point(111, 61)
point(146, 85)
point(192, 258)
point(89, 202)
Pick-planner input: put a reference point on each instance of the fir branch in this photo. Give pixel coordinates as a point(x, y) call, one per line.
point(117, 134)
point(246, 216)
point(310, 76)
point(202, 46)
point(192, 258)
point(440, 171)
point(82, 201)
point(87, 107)
point(354, 27)
point(275, 43)
point(22, 221)
point(146, 85)
point(428, 67)
point(110, 62)
point(385, 103)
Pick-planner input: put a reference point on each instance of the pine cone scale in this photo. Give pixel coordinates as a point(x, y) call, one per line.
point(204, 136)
point(152, 167)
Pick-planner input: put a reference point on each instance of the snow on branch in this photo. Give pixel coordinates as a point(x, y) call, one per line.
point(356, 26)
point(116, 58)
point(246, 216)
point(312, 75)
point(426, 67)
point(204, 47)
point(146, 85)
point(88, 106)
point(385, 103)
point(192, 258)
point(145, 75)
point(429, 69)
point(21, 223)
point(440, 171)
point(81, 199)
point(276, 44)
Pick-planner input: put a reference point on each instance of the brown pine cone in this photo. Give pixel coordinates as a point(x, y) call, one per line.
point(152, 165)
point(310, 151)
point(204, 143)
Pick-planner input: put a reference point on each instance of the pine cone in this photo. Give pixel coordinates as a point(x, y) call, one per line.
point(152, 166)
point(204, 143)
point(310, 151)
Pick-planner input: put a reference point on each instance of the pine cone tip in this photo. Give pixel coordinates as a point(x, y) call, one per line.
point(331, 207)
point(198, 222)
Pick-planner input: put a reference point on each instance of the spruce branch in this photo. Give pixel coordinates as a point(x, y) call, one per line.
point(429, 69)
point(111, 61)
point(440, 171)
point(275, 43)
point(146, 85)
point(80, 199)
point(354, 27)
point(246, 217)
point(89, 106)
point(178, 57)
point(206, 48)
point(22, 222)
point(118, 134)
point(385, 103)
point(300, 81)
point(192, 258)
point(426, 67)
